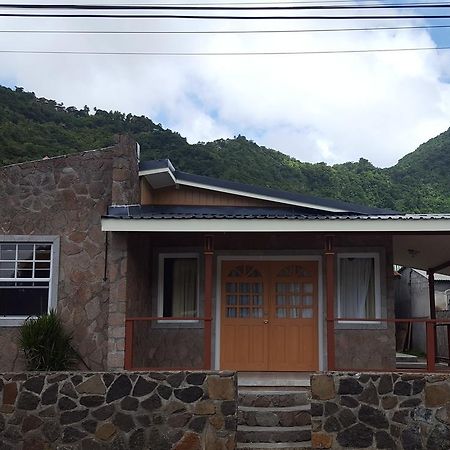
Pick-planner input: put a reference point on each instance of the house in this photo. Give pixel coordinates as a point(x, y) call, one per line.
point(154, 268)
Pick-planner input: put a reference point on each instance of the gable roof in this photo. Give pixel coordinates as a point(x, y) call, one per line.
point(162, 173)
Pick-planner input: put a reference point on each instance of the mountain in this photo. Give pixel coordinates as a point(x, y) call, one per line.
point(31, 128)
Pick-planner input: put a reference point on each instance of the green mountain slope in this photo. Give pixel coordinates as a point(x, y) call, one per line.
point(31, 128)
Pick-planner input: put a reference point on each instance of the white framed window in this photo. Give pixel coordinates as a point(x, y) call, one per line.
point(178, 285)
point(28, 277)
point(358, 286)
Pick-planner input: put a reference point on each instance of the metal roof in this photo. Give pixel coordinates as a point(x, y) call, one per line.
point(245, 212)
point(252, 190)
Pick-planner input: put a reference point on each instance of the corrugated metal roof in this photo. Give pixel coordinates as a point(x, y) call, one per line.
point(243, 212)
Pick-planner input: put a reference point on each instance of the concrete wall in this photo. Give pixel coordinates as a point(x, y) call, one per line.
point(382, 411)
point(66, 196)
point(99, 411)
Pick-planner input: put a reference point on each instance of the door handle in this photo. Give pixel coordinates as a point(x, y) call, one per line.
point(266, 321)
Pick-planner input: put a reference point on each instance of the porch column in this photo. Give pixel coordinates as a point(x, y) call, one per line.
point(208, 254)
point(330, 286)
point(431, 346)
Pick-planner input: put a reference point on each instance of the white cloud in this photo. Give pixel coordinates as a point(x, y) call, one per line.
point(314, 107)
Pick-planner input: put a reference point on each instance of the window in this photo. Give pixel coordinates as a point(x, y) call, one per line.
point(358, 286)
point(25, 278)
point(178, 286)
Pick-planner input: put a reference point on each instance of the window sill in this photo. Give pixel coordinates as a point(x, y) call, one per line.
point(360, 325)
point(12, 321)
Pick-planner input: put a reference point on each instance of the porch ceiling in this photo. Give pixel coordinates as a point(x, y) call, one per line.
point(422, 251)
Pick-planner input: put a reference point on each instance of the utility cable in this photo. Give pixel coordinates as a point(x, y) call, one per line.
point(304, 30)
point(281, 53)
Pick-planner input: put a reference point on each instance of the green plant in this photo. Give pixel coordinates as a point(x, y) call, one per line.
point(46, 345)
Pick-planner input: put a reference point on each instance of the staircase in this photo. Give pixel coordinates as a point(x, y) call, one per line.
point(274, 412)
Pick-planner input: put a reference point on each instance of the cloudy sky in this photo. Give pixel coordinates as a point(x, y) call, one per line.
point(316, 107)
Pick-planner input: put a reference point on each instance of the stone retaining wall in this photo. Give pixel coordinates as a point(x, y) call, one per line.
point(382, 411)
point(94, 411)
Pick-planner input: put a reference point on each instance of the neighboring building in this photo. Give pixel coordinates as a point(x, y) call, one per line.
point(412, 301)
point(155, 268)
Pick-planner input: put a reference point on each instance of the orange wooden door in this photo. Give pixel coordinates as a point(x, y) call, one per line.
point(244, 332)
point(293, 336)
point(269, 316)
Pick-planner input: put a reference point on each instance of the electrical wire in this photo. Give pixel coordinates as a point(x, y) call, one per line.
point(281, 53)
point(209, 17)
point(305, 30)
point(219, 8)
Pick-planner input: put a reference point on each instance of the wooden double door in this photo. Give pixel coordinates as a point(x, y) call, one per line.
point(269, 316)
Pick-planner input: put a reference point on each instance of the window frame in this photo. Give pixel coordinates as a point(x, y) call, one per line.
point(377, 287)
point(160, 296)
point(54, 241)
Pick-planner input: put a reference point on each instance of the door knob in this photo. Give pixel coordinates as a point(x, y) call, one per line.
point(266, 321)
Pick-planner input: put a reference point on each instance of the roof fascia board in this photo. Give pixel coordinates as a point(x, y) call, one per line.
point(275, 225)
point(258, 196)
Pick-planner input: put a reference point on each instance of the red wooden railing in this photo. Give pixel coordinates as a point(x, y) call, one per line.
point(430, 325)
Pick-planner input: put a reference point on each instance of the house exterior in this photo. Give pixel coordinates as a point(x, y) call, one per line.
point(153, 268)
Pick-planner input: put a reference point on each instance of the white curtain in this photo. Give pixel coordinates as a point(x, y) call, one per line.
point(357, 298)
point(184, 288)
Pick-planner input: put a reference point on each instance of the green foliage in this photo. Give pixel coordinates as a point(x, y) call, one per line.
point(46, 345)
point(31, 128)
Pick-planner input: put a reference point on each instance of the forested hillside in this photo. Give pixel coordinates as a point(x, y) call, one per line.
point(31, 128)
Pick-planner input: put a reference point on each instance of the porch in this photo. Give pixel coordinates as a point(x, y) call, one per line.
point(156, 338)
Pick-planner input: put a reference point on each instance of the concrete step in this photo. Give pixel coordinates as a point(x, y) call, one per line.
point(280, 379)
point(404, 357)
point(256, 434)
point(288, 416)
point(274, 446)
point(273, 398)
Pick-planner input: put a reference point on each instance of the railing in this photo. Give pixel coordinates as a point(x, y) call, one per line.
point(141, 332)
point(431, 326)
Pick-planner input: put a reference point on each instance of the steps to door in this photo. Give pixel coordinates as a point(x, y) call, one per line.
point(274, 417)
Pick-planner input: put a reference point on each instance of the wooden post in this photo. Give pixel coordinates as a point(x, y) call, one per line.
point(431, 346)
point(207, 292)
point(129, 329)
point(431, 293)
point(330, 287)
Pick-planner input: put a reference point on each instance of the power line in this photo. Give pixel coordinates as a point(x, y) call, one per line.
point(185, 16)
point(217, 8)
point(285, 53)
point(305, 30)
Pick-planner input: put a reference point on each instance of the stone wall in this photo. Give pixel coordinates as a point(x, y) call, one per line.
point(380, 410)
point(95, 411)
point(66, 196)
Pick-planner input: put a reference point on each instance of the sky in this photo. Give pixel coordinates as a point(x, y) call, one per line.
point(317, 107)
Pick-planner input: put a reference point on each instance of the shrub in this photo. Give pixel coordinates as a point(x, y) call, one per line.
point(46, 345)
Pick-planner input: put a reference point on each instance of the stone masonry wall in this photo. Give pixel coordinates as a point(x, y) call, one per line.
point(66, 196)
point(122, 411)
point(395, 411)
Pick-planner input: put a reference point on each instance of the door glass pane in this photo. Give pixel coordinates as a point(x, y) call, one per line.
point(231, 300)
point(295, 287)
point(307, 300)
point(257, 313)
point(244, 312)
point(281, 300)
point(295, 313)
point(231, 312)
point(244, 287)
point(307, 313)
point(281, 313)
point(257, 288)
point(307, 288)
point(231, 287)
point(257, 300)
point(245, 300)
point(295, 300)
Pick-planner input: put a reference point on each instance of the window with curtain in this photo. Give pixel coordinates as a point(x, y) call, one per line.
point(357, 287)
point(179, 295)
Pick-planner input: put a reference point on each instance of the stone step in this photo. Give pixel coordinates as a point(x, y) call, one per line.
point(254, 434)
point(275, 417)
point(273, 398)
point(274, 446)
